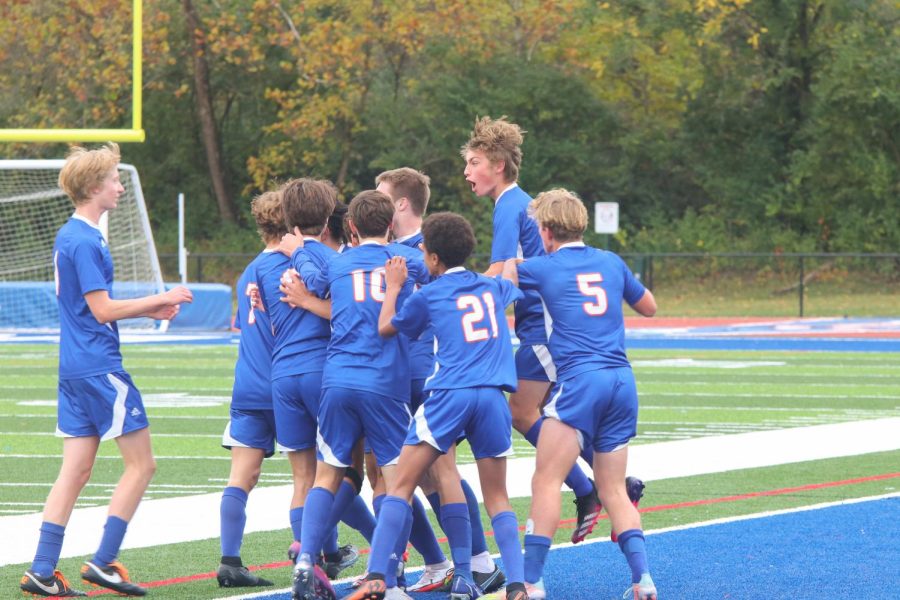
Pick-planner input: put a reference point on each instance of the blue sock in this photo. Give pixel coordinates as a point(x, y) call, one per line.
point(342, 499)
point(296, 516)
point(319, 502)
point(359, 517)
point(232, 518)
point(330, 544)
point(577, 481)
point(455, 520)
point(421, 535)
point(113, 534)
point(390, 578)
point(536, 549)
point(391, 520)
point(376, 504)
point(631, 543)
point(506, 533)
point(49, 547)
point(434, 499)
point(479, 543)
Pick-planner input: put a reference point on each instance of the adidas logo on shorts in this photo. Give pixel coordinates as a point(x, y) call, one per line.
point(135, 412)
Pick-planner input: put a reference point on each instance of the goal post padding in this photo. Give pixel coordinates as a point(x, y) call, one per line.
point(32, 209)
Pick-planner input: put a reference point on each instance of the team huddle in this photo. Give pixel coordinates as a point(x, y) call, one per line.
point(368, 348)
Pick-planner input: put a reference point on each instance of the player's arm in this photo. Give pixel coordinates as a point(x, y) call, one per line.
point(646, 306)
point(510, 270)
point(495, 269)
point(394, 278)
point(505, 242)
point(296, 294)
point(159, 306)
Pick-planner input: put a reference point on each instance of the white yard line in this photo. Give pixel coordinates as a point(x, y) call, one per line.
point(196, 517)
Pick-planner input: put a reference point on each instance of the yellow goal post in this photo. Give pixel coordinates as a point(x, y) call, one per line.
point(135, 134)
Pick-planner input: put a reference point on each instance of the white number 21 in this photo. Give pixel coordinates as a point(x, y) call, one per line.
point(475, 314)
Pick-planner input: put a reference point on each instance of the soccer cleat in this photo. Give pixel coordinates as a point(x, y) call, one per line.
point(634, 487)
point(532, 591)
point(113, 577)
point(489, 582)
point(310, 583)
point(359, 580)
point(347, 557)
point(293, 551)
point(587, 510)
point(369, 589)
point(462, 589)
point(54, 585)
point(229, 576)
point(645, 589)
point(396, 593)
point(433, 577)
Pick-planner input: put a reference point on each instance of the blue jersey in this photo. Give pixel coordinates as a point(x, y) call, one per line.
point(252, 371)
point(300, 336)
point(516, 235)
point(467, 313)
point(583, 289)
point(358, 357)
point(421, 349)
point(82, 264)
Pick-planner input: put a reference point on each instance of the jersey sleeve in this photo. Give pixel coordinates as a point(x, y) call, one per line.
point(509, 293)
point(632, 290)
point(417, 271)
point(413, 318)
point(87, 260)
point(527, 279)
point(315, 279)
point(505, 244)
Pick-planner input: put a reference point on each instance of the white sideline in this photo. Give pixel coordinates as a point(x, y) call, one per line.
point(172, 520)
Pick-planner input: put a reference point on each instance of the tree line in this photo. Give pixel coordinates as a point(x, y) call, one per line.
point(717, 125)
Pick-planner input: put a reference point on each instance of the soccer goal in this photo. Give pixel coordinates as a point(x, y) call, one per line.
point(32, 209)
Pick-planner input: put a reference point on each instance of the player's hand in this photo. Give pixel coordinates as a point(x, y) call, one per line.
point(255, 299)
point(294, 290)
point(395, 272)
point(177, 295)
point(290, 242)
point(166, 313)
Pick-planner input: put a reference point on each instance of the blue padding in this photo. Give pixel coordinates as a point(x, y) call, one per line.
point(32, 305)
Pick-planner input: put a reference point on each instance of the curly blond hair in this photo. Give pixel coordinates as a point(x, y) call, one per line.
point(562, 212)
point(266, 209)
point(499, 140)
point(85, 170)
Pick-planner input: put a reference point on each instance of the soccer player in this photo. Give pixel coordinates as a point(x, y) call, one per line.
point(473, 367)
point(594, 403)
point(409, 191)
point(493, 157)
point(97, 399)
point(250, 433)
point(365, 384)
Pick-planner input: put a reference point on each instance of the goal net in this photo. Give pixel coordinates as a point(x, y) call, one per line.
point(32, 209)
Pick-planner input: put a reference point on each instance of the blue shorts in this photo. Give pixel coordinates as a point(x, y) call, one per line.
point(254, 428)
point(295, 401)
point(481, 414)
point(416, 394)
point(535, 363)
point(345, 415)
point(105, 406)
point(601, 404)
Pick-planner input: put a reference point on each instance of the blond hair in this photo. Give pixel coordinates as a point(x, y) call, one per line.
point(562, 212)
point(499, 140)
point(85, 170)
point(266, 209)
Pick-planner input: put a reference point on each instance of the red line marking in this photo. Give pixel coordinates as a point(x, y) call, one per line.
point(564, 522)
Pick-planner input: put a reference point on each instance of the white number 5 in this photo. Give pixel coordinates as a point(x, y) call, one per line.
point(589, 285)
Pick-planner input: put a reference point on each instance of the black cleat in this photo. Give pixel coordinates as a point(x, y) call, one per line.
point(345, 558)
point(112, 577)
point(587, 511)
point(230, 577)
point(55, 585)
point(489, 582)
point(635, 489)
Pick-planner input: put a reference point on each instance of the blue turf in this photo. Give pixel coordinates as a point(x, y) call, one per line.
point(840, 552)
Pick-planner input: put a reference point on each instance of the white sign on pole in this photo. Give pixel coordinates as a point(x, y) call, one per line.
point(606, 217)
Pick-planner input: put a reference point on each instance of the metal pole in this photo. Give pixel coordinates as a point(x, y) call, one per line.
point(801, 286)
point(182, 251)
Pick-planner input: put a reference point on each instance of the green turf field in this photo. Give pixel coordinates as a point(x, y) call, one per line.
point(684, 394)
